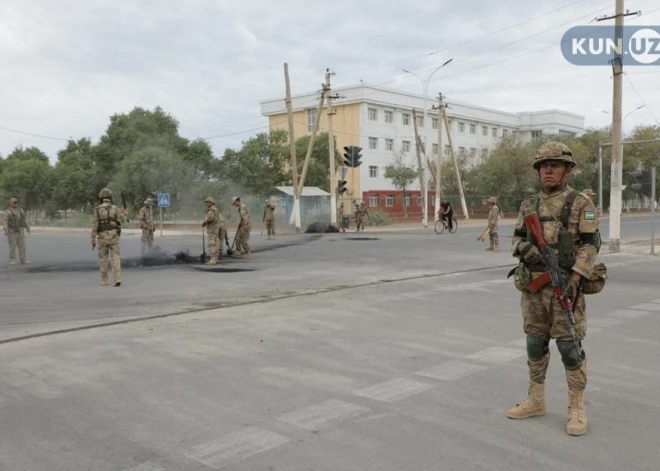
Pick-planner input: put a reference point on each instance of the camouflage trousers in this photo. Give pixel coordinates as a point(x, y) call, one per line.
point(359, 222)
point(109, 249)
point(270, 226)
point(16, 240)
point(544, 318)
point(213, 243)
point(494, 239)
point(222, 237)
point(243, 239)
point(147, 240)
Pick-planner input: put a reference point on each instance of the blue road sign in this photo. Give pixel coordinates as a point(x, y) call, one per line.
point(163, 200)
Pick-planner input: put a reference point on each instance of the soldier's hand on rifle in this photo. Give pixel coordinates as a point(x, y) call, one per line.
point(572, 289)
point(530, 253)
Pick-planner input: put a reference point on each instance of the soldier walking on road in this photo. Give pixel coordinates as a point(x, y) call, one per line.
point(570, 227)
point(360, 213)
point(15, 226)
point(493, 216)
point(106, 225)
point(212, 225)
point(243, 231)
point(269, 218)
point(146, 222)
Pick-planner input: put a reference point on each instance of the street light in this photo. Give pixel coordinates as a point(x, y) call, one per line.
point(425, 89)
point(600, 158)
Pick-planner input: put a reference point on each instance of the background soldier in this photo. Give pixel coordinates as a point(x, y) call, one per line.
point(15, 226)
point(212, 224)
point(146, 222)
point(360, 212)
point(106, 225)
point(493, 215)
point(570, 224)
point(269, 218)
point(244, 228)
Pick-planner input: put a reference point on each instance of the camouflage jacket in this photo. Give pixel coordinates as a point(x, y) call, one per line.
point(15, 221)
point(245, 216)
point(213, 218)
point(360, 211)
point(493, 216)
point(269, 212)
point(106, 222)
point(146, 218)
point(582, 225)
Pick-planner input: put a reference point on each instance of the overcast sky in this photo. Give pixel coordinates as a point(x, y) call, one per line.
point(67, 65)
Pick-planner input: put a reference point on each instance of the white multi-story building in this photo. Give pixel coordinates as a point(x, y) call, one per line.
point(380, 121)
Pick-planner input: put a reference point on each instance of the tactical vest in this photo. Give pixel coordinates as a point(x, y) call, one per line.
point(107, 221)
point(15, 221)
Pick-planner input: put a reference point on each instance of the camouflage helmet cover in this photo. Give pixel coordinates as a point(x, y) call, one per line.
point(234, 199)
point(149, 201)
point(492, 199)
point(553, 151)
point(209, 200)
point(13, 200)
point(105, 193)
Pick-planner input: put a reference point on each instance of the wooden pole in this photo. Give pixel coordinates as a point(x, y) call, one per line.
point(420, 169)
point(292, 142)
point(458, 173)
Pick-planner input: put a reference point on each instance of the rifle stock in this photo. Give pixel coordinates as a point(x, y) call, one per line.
point(559, 284)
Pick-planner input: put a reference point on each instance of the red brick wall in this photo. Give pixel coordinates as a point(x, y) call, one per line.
point(394, 204)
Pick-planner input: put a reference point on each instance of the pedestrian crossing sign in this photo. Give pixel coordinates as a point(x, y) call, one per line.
point(163, 200)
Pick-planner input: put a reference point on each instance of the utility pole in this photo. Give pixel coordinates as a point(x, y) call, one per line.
point(600, 178)
point(331, 152)
point(458, 173)
point(310, 146)
point(438, 157)
point(421, 171)
point(616, 180)
point(295, 214)
point(653, 211)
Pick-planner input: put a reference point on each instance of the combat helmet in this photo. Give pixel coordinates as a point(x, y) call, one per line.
point(149, 201)
point(234, 199)
point(209, 200)
point(553, 151)
point(105, 194)
point(492, 199)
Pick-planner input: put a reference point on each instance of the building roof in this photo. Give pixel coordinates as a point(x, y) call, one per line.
point(307, 191)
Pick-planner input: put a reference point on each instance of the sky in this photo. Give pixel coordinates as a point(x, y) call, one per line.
point(66, 66)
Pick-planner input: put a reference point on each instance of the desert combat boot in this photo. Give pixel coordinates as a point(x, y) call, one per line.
point(576, 422)
point(534, 404)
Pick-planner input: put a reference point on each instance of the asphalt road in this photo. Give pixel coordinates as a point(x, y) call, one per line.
point(377, 351)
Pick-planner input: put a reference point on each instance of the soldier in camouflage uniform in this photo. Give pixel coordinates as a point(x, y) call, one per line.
point(106, 226)
point(212, 224)
point(493, 216)
point(15, 226)
point(360, 213)
point(269, 218)
point(570, 226)
point(146, 223)
point(243, 231)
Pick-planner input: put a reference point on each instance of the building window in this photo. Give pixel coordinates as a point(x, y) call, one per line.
point(505, 132)
point(473, 152)
point(311, 119)
point(389, 116)
point(420, 201)
point(461, 127)
point(373, 143)
point(373, 171)
point(406, 201)
point(435, 149)
point(420, 121)
point(389, 201)
point(484, 130)
point(389, 144)
point(461, 150)
point(373, 114)
point(536, 134)
point(405, 146)
point(434, 123)
point(447, 150)
point(494, 132)
point(561, 132)
point(373, 201)
point(473, 128)
point(405, 119)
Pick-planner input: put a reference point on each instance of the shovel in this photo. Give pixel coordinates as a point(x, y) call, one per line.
point(203, 256)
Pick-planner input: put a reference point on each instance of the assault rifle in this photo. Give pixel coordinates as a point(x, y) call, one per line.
point(559, 284)
point(123, 202)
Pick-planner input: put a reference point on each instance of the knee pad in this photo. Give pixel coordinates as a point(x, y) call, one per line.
point(569, 355)
point(536, 347)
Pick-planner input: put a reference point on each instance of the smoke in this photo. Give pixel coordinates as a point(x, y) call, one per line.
point(320, 227)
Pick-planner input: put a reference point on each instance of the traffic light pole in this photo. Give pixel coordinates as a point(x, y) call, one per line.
point(331, 152)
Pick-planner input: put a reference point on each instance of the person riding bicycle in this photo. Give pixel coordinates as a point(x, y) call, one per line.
point(446, 214)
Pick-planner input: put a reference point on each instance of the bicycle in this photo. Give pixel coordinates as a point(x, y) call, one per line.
point(441, 225)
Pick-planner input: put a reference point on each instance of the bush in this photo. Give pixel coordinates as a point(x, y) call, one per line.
point(379, 218)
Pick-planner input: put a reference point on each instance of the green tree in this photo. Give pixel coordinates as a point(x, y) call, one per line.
point(74, 176)
point(401, 176)
point(29, 180)
point(29, 153)
point(318, 171)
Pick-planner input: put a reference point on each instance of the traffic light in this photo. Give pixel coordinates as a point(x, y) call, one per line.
point(341, 187)
point(642, 184)
point(352, 156)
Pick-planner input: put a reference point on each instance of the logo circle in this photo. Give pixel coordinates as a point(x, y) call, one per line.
point(644, 46)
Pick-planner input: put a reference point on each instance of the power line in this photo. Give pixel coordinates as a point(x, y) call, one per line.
point(641, 99)
point(34, 135)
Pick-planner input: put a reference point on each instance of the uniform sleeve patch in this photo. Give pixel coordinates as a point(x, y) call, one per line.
point(589, 215)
